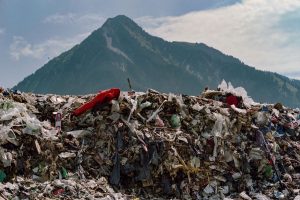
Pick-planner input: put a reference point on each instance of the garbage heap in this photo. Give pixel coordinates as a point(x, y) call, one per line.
point(147, 146)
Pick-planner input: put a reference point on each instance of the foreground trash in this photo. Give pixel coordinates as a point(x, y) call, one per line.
point(60, 189)
point(148, 145)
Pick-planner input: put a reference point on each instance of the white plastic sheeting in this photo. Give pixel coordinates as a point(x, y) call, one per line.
point(238, 91)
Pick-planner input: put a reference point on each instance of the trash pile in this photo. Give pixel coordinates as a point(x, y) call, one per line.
point(122, 145)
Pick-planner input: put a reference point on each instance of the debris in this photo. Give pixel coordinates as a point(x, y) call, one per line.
point(103, 97)
point(58, 117)
point(2, 176)
point(243, 195)
point(175, 121)
point(147, 146)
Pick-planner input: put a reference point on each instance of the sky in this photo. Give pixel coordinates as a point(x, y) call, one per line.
point(264, 34)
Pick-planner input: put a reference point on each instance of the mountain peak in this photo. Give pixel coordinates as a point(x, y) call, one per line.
point(120, 26)
point(120, 20)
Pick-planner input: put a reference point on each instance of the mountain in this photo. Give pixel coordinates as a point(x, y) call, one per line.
point(120, 49)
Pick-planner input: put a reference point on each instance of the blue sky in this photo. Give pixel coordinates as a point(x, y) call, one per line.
point(262, 33)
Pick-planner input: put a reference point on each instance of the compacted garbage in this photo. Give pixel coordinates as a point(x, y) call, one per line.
point(148, 145)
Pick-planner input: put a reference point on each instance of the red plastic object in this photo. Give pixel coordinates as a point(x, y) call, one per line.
point(102, 97)
point(232, 100)
point(58, 191)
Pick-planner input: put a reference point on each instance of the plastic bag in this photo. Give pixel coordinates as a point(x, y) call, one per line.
point(218, 126)
point(7, 135)
point(33, 126)
point(175, 121)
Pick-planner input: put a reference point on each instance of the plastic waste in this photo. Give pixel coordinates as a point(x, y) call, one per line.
point(243, 195)
point(243, 111)
point(58, 191)
point(218, 126)
point(261, 197)
point(67, 155)
point(134, 107)
point(6, 158)
point(278, 195)
point(2, 176)
point(10, 114)
point(268, 171)
point(197, 107)
point(195, 162)
point(262, 119)
point(57, 100)
point(6, 105)
point(64, 173)
point(58, 118)
point(175, 121)
point(145, 105)
point(159, 122)
point(208, 189)
point(215, 153)
point(102, 97)
point(115, 107)
point(33, 126)
point(297, 197)
point(239, 91)
point(78, 133)
point(7, 135)
point(156, 112)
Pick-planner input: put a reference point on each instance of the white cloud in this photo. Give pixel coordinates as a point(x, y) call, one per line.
point(71, 18)
point(20, 47)
point(49, 48)
point(2, 31)
point(248, 30)
point(293, 74)
point(72, 21)
point(60, 18)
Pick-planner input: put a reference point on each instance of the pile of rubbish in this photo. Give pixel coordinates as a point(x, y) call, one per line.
point(126, 145)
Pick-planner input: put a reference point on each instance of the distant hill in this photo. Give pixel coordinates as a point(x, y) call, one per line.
point(120, 49)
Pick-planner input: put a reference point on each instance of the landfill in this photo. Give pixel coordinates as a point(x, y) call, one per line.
point(148, 145)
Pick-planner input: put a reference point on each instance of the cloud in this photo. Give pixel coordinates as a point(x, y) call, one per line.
point(52, 47)
point(293, 74)
point(71, 21)
point(72, 18)
point(21, 48)
point(2, 31)
point(252, 30)
point(60, 18)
